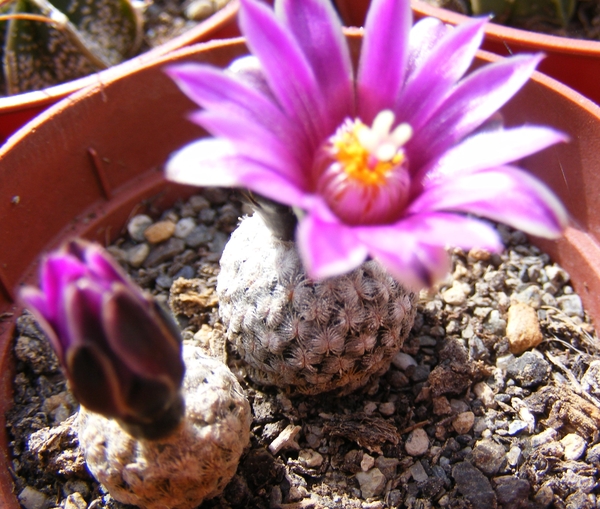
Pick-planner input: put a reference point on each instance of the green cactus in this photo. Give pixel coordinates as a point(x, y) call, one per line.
point(557, 12)
point(44, 44)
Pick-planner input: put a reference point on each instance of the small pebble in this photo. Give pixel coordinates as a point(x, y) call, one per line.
point(137, 255)
point(418, 472)
point(159, 232)
point(544, 437)
point(388, 408)
point(488, 456)
point(463, 422)
point(371, 483)
point(137, 226)
point(455, 295)
point(30, 498)
point(367, 462)
point(571, 305)
point(485, 394)
point(529, 370)
point(402, 361)
point(417, 442)
point(75, 501)
point(515, 427)
point(474, 486)
point(574, 446)
point(522, 328)
point(513, 456)
point(286, 439)
point(310, 458)
point(184, 227)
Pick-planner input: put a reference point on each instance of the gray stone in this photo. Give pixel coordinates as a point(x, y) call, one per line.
point(165, 252)
point(529, 370)
point(200, 235)
point(474, 486)
point(495, 324)
point(418, 472)
point(571, 305)
point(512, 492)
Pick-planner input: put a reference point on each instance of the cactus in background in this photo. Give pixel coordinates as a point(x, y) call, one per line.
point(44, 44)
point(557, 12)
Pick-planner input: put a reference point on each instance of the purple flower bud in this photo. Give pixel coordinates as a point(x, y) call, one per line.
point(120, 351)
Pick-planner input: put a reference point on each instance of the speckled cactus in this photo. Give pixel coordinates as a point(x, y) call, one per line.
point(557, 12)
point(310, 337)
point(192, 464)
point(45, 43)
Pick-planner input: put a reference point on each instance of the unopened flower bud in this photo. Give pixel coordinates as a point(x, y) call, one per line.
point(120, 351)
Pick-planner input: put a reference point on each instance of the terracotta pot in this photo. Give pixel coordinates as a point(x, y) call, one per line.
point(574, 62)
point(74, 170)
point(17, 110)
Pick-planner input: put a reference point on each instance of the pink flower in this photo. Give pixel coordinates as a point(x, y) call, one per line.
point(392, 161)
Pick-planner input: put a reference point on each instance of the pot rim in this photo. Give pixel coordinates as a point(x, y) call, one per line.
point(508, 35)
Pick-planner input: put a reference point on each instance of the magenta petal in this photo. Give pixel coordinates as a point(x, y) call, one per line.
point(492, 148)
point(215, 90)
point(424, 36)
point(383, 57)
point(286, 69)
point(318, 31)
point(438, 73)
point(252, 140)
point(414, 249)
point(507, 194)
point(471, 103)
point(327, 247)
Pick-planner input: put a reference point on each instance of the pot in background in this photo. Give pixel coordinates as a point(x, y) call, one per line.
point(17, 110)
point(74, 170)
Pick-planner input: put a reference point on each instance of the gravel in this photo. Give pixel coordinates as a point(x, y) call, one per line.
point(463, 418)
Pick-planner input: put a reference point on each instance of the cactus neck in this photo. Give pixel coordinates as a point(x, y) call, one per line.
point(280, 219)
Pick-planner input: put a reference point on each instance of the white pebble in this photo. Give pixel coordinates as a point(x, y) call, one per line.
point(310, 458)
point(484, 392)
point(184, 227)
point(31, 498)
point(513, 456)
point(137, 226)
point(543, 438)
point(574, 446)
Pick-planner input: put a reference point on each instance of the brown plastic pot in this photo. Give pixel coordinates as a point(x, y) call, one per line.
point(574, 62)
point(17, 110)
point(88, 163)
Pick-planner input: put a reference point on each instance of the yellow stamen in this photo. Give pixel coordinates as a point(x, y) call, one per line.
point(366, 154)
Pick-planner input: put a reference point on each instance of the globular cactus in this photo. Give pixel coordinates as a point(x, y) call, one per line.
point(310, 337)
point(557, 12)
point(44, 44)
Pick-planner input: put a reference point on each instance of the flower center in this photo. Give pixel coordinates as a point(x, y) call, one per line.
point(365, 179)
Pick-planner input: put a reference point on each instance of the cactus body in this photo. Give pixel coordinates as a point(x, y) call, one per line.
point(310, 337)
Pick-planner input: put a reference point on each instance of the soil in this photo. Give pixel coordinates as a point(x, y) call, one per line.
point(584, 24)
point(457, 422)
